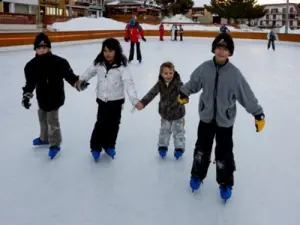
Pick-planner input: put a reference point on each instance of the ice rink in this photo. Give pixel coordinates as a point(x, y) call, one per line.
point(138, 187)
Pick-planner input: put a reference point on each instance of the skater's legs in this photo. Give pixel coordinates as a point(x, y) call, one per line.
point(131, 53)
point(273, 45)
point(224, 156)
point(99, 132)
point(203, 148)
point(164, 133)
point(43, 125)
point(181, 37)
point(54, 132)
point(138, 51)
point(178, 133)
point(269, 43)
point(112, 123)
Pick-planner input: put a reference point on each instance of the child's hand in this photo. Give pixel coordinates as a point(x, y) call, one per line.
point(139, 106)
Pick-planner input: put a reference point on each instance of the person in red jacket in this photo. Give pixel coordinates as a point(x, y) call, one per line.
point(161, 32)
point(134, 33)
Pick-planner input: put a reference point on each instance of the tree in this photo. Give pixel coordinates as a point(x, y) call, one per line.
point(180, 6)
point(236, 9)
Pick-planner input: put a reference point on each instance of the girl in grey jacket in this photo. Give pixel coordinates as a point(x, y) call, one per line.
point(222, 84)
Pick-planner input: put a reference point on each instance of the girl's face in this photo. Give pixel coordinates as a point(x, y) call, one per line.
point(109, 55)
point(221, 54)
point(167, 74)
point(42, 50)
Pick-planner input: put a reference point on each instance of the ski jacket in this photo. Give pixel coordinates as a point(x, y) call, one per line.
point(112, 82)
point(169, 108)
point(161, 28)
point(134, 33)
point(272, 36)
point(221, 87)
point(45, 74)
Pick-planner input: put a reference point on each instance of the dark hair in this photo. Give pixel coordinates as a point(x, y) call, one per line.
point(111, 44)
point(166, 65)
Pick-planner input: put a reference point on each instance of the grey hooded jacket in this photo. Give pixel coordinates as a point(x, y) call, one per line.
point(221, 87)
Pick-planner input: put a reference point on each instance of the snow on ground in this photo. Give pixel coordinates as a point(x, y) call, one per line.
point(138, 188)
point(87, 23)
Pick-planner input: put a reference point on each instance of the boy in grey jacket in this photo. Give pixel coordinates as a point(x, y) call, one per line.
point(222, 84)
point(171, 111)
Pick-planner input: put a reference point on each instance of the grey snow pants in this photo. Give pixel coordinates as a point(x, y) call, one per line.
point(167, 128)
point(50, 127)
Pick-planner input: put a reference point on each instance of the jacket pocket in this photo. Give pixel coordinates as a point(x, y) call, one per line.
point(202, 106)
point(230, 113)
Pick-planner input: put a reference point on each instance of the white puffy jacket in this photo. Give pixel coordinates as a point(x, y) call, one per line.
point(111, 84)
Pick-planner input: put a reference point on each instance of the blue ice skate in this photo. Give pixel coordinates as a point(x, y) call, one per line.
point(178, 153)
point(96, 154)
point(39, 142)
point(53, 150)
point(225, 192)
point(162, 151)
point(111, 152)
point(195, 183)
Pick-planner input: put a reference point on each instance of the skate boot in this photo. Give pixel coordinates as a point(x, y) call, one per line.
point(111, 152)
point(225, 192)
point(39, 142)
point(53, 150)
point(96, 154)
point(162, 151)
point(195, 183)
point(178, 153)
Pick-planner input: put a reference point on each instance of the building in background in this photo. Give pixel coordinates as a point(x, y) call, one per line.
point(200, 14)
point(19, 6)
point(275, 16)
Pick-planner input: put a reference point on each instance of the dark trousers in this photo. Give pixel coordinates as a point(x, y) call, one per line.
point(223, 152)
point(106, 128)
point(271, 42)
point(138, 51)
point(181, 37)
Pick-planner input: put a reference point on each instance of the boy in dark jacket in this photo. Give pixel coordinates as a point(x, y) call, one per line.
point(171, 111)
point(222, 84)
point(45, 73)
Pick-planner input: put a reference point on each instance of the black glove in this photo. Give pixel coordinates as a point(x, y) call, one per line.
point(126, 39)
point(144, 39)
point(83, 86)
point(182, 95)
point(26, 100)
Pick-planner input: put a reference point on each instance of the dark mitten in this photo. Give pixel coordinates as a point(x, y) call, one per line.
point(144, 39)
point(126, 39)
point(26, 100)
point(83, 86)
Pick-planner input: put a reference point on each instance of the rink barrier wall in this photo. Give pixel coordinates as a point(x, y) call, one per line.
point(15, 39)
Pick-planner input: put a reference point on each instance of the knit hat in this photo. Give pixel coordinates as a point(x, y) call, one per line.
point(41, 40)
point(224, 40)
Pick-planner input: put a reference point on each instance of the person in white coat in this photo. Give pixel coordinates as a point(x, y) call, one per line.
point(110, 67)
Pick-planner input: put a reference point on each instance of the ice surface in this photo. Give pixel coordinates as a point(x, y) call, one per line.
point(138, 188)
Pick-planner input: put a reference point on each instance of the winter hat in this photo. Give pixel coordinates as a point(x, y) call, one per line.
point(41, 40)
point(224, 40)
point(131, 22)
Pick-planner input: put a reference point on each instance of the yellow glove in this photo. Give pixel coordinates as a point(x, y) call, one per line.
point(182, 100)
point(259, 122)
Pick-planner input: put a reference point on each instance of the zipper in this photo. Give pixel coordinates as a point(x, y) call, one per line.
point(216, 92)
point(105, 99)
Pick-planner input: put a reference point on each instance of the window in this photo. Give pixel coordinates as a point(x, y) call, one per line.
point(274, 17)
point(291, 10)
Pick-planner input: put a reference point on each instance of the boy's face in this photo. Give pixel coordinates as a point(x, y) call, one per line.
point(167, 74)
point(222, 53)
point(42, 50)
point(109, 54)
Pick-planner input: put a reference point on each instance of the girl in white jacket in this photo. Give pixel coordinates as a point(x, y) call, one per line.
point(110, 67)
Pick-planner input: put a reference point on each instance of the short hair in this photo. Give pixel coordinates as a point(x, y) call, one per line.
point(166, 65)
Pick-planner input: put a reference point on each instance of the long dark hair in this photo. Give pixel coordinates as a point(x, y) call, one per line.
point(111, 44)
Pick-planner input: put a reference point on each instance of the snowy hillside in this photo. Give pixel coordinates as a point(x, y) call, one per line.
point(87, 23)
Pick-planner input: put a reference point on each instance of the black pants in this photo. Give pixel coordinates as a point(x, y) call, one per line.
point(273, 44)
point(181, 37)
point(138, 51)
point(223, 152)
point(107, 126)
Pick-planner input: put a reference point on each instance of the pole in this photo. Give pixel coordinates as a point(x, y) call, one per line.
point(287, 17)
point(70, 8)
